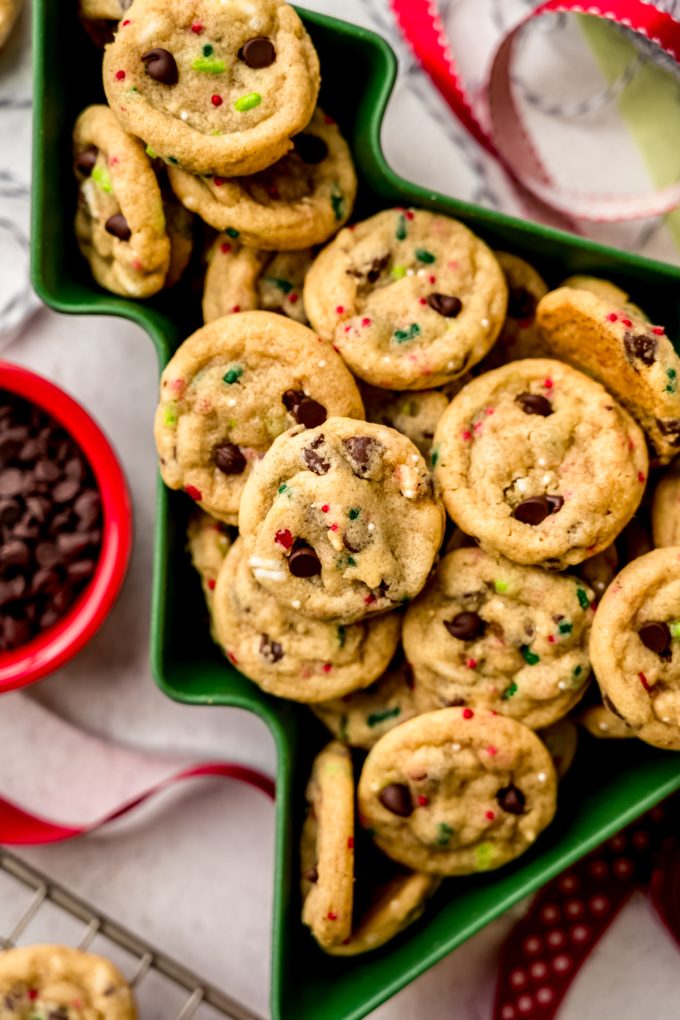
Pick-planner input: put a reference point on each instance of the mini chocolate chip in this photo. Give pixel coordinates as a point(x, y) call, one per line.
point(12, 590)
point(72, 545)
point(447, 305)
point(314, 461)
point(312, 875)
point(511, 799)
point(640, 347)
point(258, 52)
point(45, 581)
point(362, 450)
point(310, 413)
point(465, 626)
point(15, 631)
point(13, 554)
point(10, 512)
point(64, 491)
point(310, 148)
point(60, 1013)
point(377, 266)
point(80, 570)
point(291, 399)
point(47, 554)
point(117, 226)
point(534, 403)
point(87, 506)
point(270, 650)
point(161, 66)
point(303, 561)
point(229, 459)
point(46, 471)
point(456, 702)
point(521, 303)
point(657, 637)
point(11, 482)
point(533, 510)
point(670, 427)
point(555, 503)
point(85, 160)
point(397, 798)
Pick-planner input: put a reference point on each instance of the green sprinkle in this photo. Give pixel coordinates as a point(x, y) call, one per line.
point(209, 66)
point(484, 855)
point(577, 670)
point(434, 456)
point(248, 102)
point(342, 635)
point(173, 160)
point(672, 381)
point(509, 692)
point(423, 255)
point(402, 335)
point(675, 629)
point(208, 50)
point(338, 203)
point(583, 599)
point(401, 230)
point(151, 153)
point(445, 832)
point(353, 514)
point(215, 133)
point(343, 728)
point(397, 272)
point(529, 657)
point(501, 587)
point(231, 232)
point(404, 599)
point(232, 375)
point(565, 627)
point(282, 488)
point(285, 286)
point(102, 178)
point(170, 416)
point(351, 562)
point(375, 718)
point(133, 88)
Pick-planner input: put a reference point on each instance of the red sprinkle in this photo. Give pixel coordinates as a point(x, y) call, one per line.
point(333, 527)
point(236, 308)
point(335, 348)
point(467, 434)
point(626, 322)
point(32, 994)
point(492, 750)
point(331, 916)
point(232, 658)
point(471, 664)
point(225, 248)
point(644, 681)
point(370, 599)
point(491, 815)
point(641, 477)
point(193, 493)
point(612, 317)
point(551, 639)
point(218, 181)
point(325, 508)
point(422, 800)
point(548, 384)
point(489, 411)
point(408, 214)
point(339, 310)
point(347, 329)
point(211, 583)
point(468, 713)
point(293, 298)
point(284, 538)
point(365, 322)
point(327, 667)
point(422, 301)
point(432, 279)
point(350, 843)
point(124, 23)
point(197, 27)
point(658, 330)
point(216, 100)
point(120, 75)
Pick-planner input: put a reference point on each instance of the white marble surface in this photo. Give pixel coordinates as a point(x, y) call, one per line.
point(193, 873)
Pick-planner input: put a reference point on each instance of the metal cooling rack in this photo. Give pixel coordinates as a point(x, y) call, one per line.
point(97, 924)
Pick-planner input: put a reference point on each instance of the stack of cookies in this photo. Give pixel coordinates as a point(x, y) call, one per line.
point(436, 466)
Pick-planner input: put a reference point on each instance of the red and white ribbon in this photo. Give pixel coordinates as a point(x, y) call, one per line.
point(506, 137)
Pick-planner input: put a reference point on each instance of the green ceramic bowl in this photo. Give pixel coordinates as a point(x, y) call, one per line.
point(610, 783)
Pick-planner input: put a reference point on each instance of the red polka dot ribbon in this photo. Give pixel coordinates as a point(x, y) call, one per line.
point(505, 136)
point(21, 828)
point(546, 949)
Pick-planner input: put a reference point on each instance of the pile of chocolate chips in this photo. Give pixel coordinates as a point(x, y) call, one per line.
point(50, 521)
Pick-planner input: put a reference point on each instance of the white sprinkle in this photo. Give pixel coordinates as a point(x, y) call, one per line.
point(409, 493)
point(541, 777)
point(387, 357)
point(295, 603)
point(541, 461)
point(231, 402)
point(256, 24)
point(455, 747)
point(322, 363)
point(375, 787)
point(531, 836)
point(184, 115)
point(563, 685)
point(269, 575)
point(394, 905)
point(370, 527)
point(666, 720)
point(603, 726)
point(190, 203)
point(421, 272)
point(486, 323)
point(547, 478)
point(410, 272)
point(415, 458)
point(450, 365)
point(260, 561)
point(522, 484)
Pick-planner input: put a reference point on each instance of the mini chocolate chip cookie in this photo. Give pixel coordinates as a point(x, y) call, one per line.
point(230, 389)
point(607, 291)
point(240, 279)
point(561, 739)
point(411, 299)
point(299, 201)
point(519, 337)
point(666, 509)
point(604, 724)
point(539, 463)
point(342, 518)
point(287, 654)
point(415, 413)
point(493, 635)
point(457, 791)
point(58, 982)
point(635, 647)
point(213, 88)
point(327, 847)
point(633, 359)
point(208, 542)
point(120, 221)
point(361, 718)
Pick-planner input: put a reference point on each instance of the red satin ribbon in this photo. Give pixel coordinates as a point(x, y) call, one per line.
point(506, 138)
point(19, 827)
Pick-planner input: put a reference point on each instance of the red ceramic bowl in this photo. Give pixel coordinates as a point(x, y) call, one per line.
point(59, 643)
